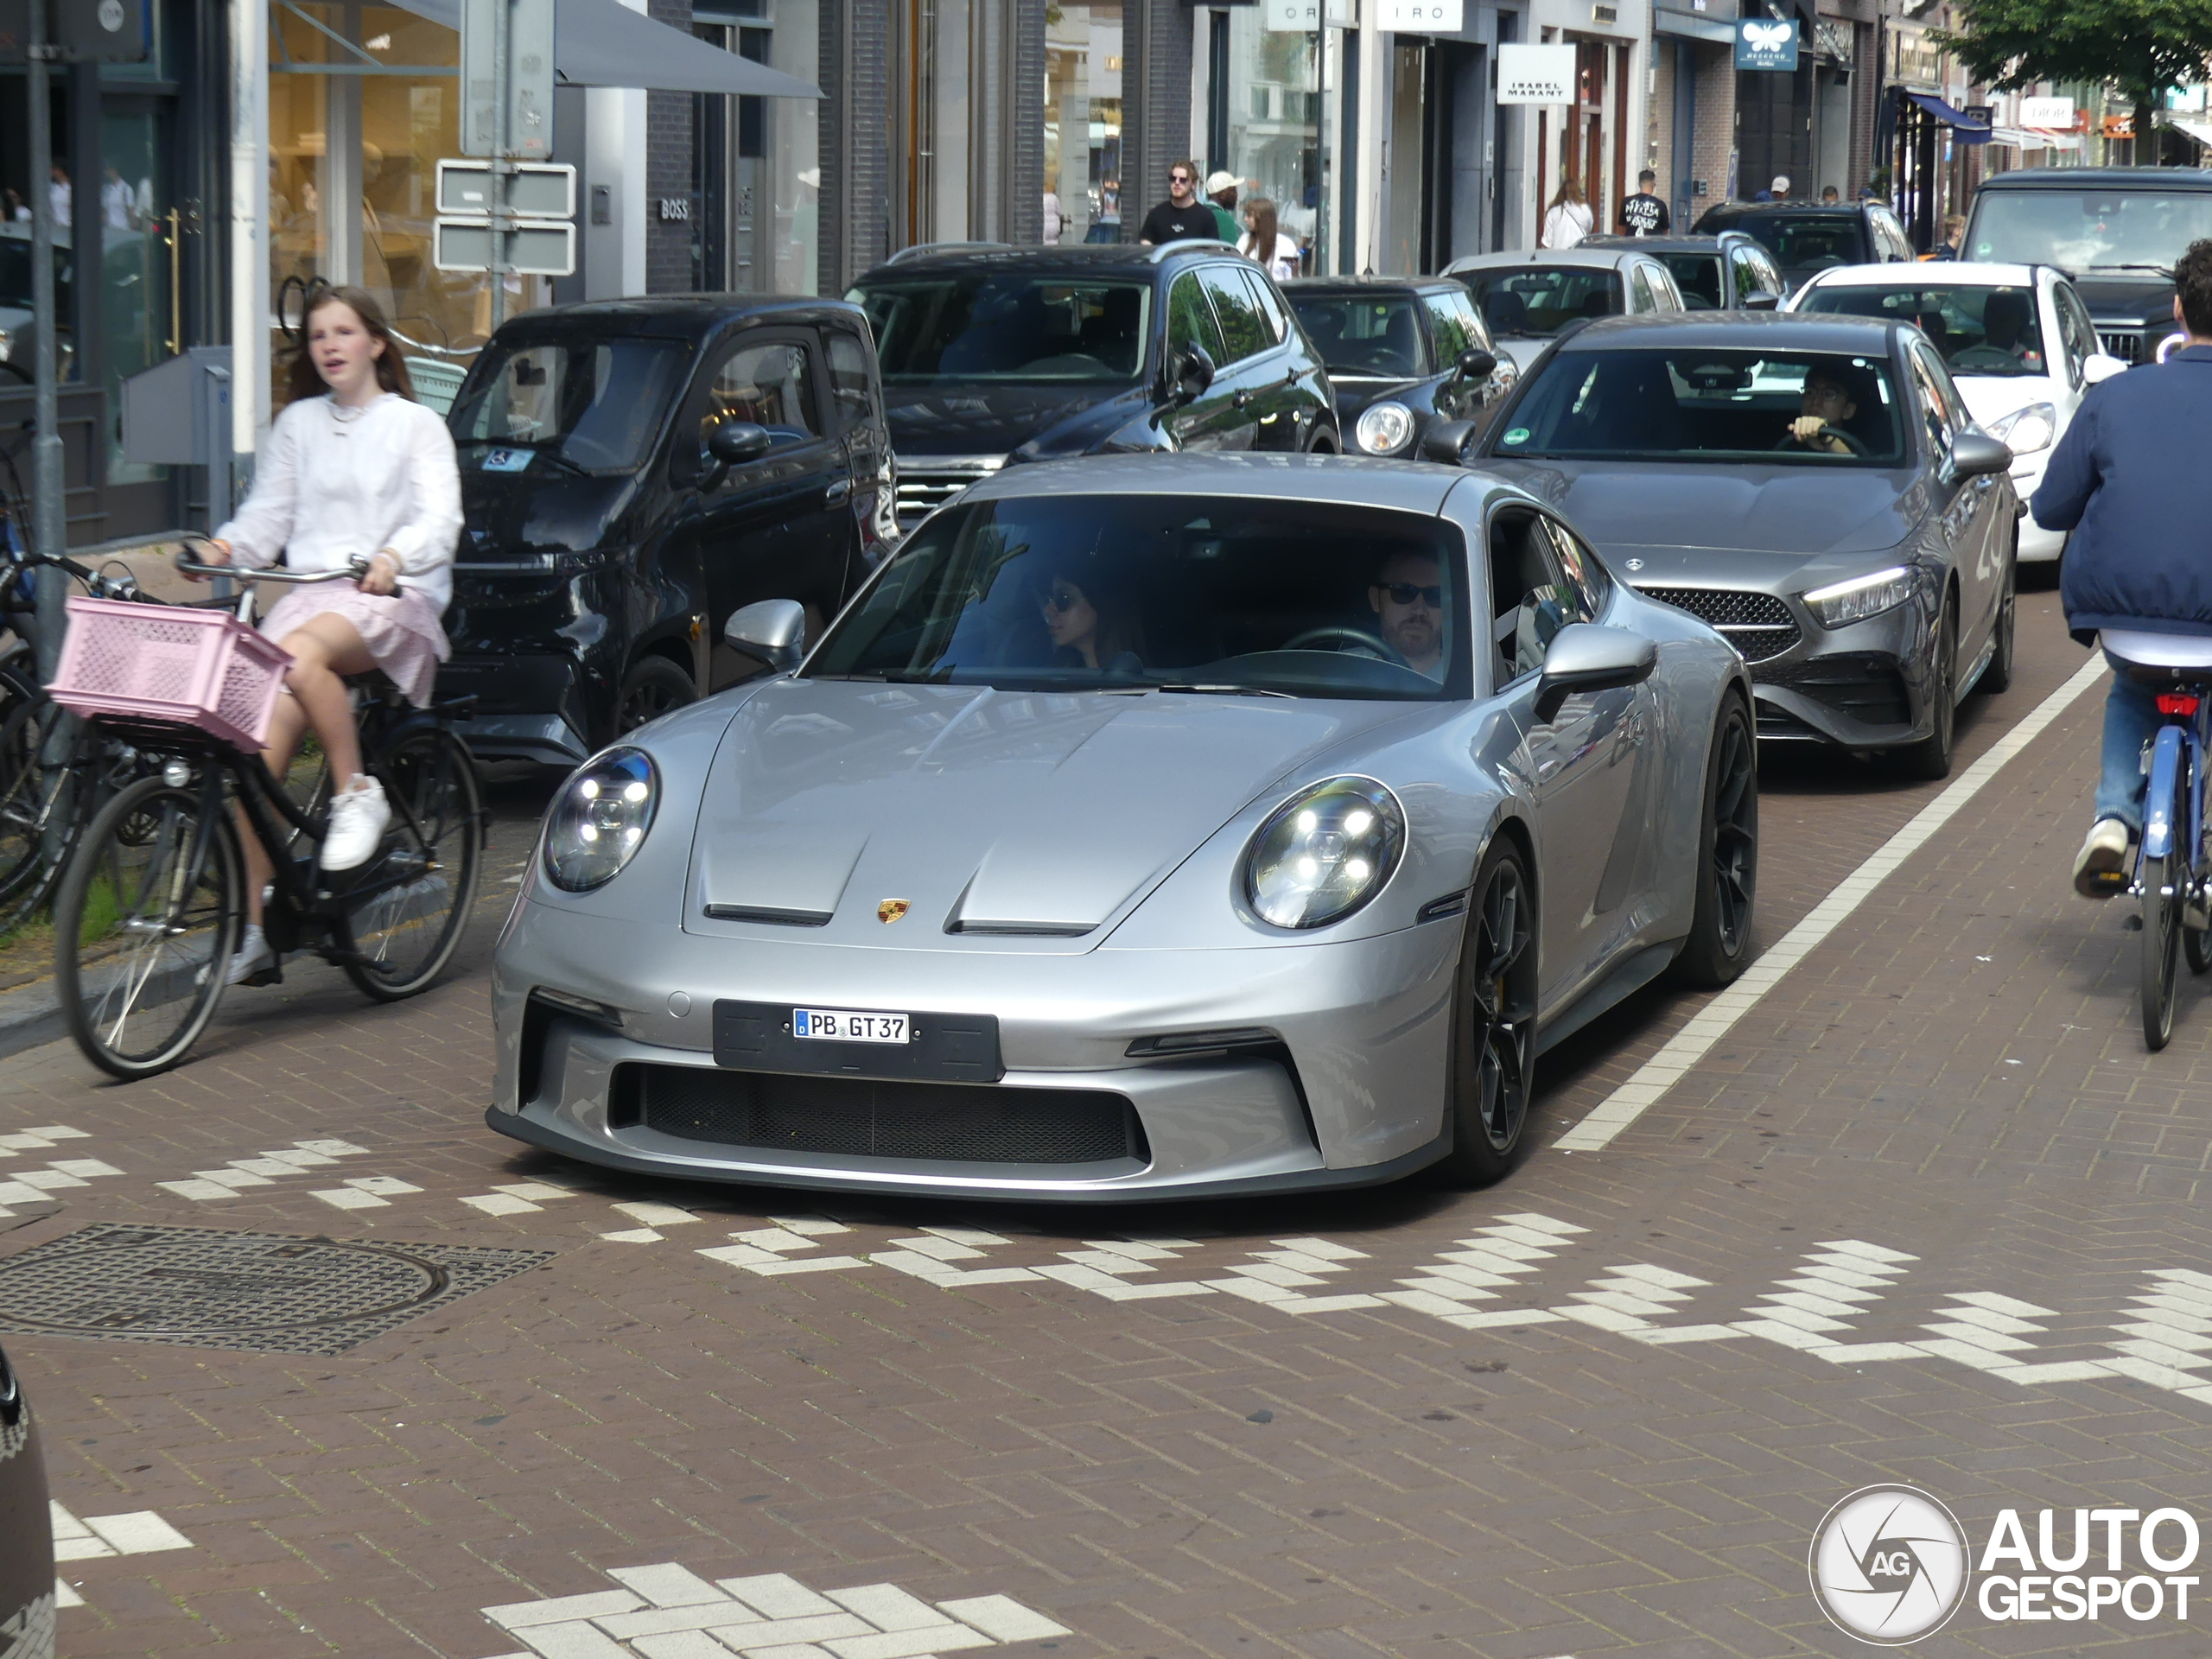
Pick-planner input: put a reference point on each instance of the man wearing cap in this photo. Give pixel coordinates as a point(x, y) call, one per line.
point(1186, 216)
point(1780, 187)
point(1221, 196)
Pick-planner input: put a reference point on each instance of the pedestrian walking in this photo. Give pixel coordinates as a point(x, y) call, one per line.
point(1184, 216)
point(1643, 214)
point(1265, 242)
point(1568, 220)
point(1221, 195)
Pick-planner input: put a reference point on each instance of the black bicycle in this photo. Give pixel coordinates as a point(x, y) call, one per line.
point(152, 902)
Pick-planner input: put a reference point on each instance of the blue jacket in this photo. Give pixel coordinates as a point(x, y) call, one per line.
point(2133, 480)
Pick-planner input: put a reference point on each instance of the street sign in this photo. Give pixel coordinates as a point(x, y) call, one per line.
point(85, 31)
point(2051, 114)
point(1420, 16)
point(529, 95)
point(1535, 74)
point(1307, 16)
point(535, 247)
point(534, 189)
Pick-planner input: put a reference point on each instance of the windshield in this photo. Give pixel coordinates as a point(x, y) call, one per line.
point(1070, 592)
point(1539, 301)
point(1821, 409)
point(981, 325)
point(1362, 333)
point(1698, 275)
point(2080, 230)
point(1813, 242)
point(1979, 329)
point(597, 406)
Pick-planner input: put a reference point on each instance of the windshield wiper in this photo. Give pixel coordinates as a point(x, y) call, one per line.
point(1207, 688)
point(2163, 270)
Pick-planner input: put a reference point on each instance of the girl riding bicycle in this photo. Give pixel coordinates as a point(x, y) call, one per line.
point(353, 466)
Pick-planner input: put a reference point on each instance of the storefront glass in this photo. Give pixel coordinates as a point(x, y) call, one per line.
point(1083, 123)
point(772, 158)
point(136, 270)
point(1275, 120)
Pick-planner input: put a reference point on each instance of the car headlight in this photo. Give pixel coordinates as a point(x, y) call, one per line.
point(1845, 602)
point(600, 819)
point(1324, 853)
point(1385, 429)
point(2026, 431)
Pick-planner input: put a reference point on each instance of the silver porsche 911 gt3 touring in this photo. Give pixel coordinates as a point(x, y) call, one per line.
point(1145, 828)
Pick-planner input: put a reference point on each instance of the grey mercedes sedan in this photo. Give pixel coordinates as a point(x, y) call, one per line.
point(1815, 486)
point(1146, 827)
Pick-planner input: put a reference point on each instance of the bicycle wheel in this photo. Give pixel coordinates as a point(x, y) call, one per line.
point(417, 893)
point(28, 795)
point(2162, 908)
point(143, 930)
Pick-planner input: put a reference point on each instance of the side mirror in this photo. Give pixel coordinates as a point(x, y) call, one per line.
point(2101, 366)
point(1188, 376)
point(731, 443)
point(1975, 454)
point(1476, 364)
point(774, 630)
point(1586, 657)
point(1449, 441)
point(1762, 301)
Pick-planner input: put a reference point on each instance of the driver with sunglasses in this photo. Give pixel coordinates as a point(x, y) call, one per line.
point(1408, 599)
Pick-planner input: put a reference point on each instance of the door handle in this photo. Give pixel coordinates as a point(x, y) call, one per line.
point(838, 490)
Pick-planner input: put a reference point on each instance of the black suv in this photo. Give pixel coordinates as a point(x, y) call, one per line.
point(632, 473)
point(996, 356)
point(2115, 231)
point(1805, 237)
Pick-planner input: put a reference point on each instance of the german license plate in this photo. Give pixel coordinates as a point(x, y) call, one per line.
point(850, 1026)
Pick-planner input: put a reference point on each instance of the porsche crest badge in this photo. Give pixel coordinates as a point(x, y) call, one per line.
point(891, 910)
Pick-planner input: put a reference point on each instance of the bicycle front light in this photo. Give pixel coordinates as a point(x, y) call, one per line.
point(1385, 429)
point(1842, 603)
point(600, 819)
point(1324, 853)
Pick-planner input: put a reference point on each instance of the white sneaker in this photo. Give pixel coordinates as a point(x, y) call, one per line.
point(252, 955)
point(2100, 867)
point(357, 823)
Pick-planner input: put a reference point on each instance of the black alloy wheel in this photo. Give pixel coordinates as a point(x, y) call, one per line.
point(653, 687)
point(1719, 947)
point(1998, 677)
point(1930, 759)
point(1492, 1058)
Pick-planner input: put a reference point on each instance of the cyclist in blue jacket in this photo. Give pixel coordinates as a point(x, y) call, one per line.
point(2129, 479)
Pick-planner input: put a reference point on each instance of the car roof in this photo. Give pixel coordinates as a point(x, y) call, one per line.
point(690, 317)
point(1831, 209)
point(1685, 243)
point(1370, 285)
point(1126, 258)
point(1956, 272)
point(1349, 481)
point(1596, 259)
point(2100, 178)
point(1821, 330)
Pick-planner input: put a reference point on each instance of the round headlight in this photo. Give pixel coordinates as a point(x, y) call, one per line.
point(600, 819)
point(1324, 853)
point(1385, 429)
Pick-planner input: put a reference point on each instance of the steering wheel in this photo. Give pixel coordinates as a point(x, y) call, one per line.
point(1789, 439)
point(1984, 356)
point(1368, 645)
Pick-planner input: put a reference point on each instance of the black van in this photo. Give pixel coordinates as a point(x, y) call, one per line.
point(633, 472)
point(999, 355)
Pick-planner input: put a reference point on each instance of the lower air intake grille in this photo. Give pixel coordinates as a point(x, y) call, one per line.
point(951, 1122)
point(1859, 686)
point(1758, 625)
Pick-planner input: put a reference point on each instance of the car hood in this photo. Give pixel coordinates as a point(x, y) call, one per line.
point(1356, 391)
point(520, 516)
point(981, 419)
point(1007, 819)
point(1990, 398)
point(2127, 295)
point(1776, 514)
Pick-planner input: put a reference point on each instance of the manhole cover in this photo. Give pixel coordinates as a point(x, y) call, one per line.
point(263, 1292)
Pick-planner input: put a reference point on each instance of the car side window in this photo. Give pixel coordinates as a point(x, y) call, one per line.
point(1530, 601)
point(1639, 292)
point(1744, 271)
point(1272, 313)
point(2080, 333)
point(1935, 408)
point(1190, 321)
point(1894, 243)
point(849, 390)
point(1241, 330)
point(1585, 574)
point(1471, 319)
point(768, 383)
point(1447, 329)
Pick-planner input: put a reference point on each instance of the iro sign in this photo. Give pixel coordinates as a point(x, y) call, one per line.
point(1767, 43)
point(1535, 74)
point(1419, 16)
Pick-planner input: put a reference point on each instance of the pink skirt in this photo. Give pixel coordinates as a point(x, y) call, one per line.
point(400, 630)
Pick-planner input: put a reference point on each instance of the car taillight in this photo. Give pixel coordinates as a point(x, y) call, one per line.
point(2176, 703)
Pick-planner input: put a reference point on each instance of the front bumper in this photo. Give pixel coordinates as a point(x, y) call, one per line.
point(1343, 1085)
point(2038, 545)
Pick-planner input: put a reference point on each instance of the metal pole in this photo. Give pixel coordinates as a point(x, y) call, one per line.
point(502, 18)
point(50, 514)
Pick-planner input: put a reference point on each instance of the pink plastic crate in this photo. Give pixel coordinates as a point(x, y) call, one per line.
point(185, 667)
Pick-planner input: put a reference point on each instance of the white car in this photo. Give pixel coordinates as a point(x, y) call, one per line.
point(2018, 342)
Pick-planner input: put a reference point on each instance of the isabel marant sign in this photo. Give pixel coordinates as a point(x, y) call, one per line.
point(1535, 74)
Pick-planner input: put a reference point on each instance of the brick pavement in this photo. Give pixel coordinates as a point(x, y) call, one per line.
point(1927, 1214)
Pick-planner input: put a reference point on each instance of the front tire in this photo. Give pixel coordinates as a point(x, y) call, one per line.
point(1719, 944)
point(653, 687)
point(1493, 1052)
point(1930, 759)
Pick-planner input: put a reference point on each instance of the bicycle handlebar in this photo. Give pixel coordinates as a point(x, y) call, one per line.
point(356, 568)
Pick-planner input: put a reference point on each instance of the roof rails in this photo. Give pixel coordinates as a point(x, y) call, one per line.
point(1188, 244)
point(923, 250)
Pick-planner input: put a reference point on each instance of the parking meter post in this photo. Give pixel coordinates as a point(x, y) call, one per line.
point(50, 513)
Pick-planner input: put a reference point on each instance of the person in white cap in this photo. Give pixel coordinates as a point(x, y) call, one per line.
point(1780, 187)
point(1221, 195)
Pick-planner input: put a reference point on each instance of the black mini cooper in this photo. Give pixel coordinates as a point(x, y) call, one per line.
point(994, 356)
point(632, 473)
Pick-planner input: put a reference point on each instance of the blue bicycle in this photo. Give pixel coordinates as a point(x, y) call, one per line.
point(2173, 877)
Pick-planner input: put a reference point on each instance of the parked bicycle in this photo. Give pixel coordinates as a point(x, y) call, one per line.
point(152, 904)
point(2173, 873)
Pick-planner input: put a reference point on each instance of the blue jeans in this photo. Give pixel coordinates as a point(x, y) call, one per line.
point(2132, 718)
